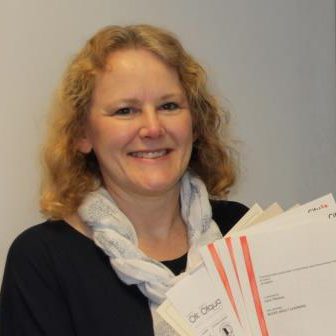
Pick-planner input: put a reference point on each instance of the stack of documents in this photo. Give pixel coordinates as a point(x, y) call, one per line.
point(273, 274)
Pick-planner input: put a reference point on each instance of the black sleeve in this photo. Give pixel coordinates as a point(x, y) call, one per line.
point(31, 302)
point(227, 213)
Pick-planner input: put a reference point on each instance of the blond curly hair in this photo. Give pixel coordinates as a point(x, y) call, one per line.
point(68, 174)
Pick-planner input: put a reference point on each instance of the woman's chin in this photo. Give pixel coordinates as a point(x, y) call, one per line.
point(158, 187)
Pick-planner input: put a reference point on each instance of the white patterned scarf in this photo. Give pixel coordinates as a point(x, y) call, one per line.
point(116, 236)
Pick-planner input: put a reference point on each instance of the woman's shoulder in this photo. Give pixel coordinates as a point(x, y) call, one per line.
point(230, 208)
point(48, 272)
point(48, 252)
point(50, 240)
point(227, 213)
point(39, 235)
point(40, 230)
point(34, 236)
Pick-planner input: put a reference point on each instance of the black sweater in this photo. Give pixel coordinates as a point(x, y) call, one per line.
point(58, 282)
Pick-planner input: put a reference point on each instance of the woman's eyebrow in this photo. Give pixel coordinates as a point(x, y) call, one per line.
point(131, 101)
point(171, 95)
point(135, 101)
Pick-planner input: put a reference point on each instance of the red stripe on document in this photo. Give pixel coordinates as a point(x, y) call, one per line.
point(253, 285)
point(228, 242)
point(221, 271)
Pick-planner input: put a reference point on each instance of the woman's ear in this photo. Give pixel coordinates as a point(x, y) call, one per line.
point(84, 145)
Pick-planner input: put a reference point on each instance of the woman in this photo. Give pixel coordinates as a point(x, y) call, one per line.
point(134, 149)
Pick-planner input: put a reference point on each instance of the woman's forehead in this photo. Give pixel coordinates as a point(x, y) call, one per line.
point(137, 73)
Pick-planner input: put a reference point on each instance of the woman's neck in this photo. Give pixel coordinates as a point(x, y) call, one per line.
point(157, 220)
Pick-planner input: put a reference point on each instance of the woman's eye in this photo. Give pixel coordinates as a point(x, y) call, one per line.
point(170, 106)
point(125, 111)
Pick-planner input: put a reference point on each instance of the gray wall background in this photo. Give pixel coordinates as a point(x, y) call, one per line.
point(272, 61)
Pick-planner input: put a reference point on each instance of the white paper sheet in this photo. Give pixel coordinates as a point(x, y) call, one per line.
point(291, 289)
point(206, 310)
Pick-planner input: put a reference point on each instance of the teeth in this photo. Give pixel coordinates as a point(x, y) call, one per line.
point(150, 155)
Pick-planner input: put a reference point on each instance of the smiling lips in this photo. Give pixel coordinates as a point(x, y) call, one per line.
point(150, 154)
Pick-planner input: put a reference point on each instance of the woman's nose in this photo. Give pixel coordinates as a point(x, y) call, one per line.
point(151, 126)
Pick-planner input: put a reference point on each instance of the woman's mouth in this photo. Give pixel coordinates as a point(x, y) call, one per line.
point(150, 154)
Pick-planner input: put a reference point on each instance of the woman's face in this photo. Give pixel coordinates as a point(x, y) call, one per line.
point(139, 125)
